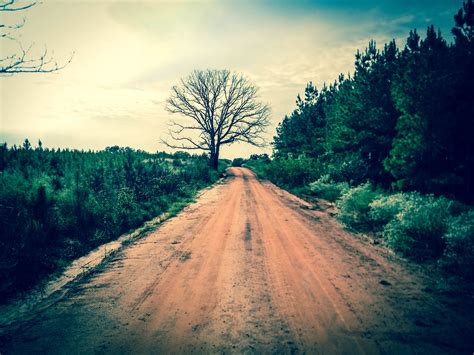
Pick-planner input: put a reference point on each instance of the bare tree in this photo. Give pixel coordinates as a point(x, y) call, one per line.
point(218, 108)
point(22, 62)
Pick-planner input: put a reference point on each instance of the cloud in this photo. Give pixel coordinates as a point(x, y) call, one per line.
point(129, 54)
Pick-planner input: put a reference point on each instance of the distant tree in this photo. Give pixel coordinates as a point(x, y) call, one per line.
point(220, 108)
point(463, 30)
point(263, 156)
point(302, 132)
point(463, 79)
point(22, 62)
point(404, 120)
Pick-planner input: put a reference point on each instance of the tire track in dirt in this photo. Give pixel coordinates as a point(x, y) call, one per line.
point(249, 268)
point(307, 300)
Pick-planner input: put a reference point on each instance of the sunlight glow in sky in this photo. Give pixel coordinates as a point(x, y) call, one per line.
point(128, 54)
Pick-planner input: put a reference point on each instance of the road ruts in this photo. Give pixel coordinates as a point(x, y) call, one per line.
point(247, 268)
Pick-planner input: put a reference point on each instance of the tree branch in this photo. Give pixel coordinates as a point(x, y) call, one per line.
point(222, 106)
point(20, 62)
point(9, 6)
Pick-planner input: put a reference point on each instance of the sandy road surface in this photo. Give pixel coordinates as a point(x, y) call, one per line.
point(249, 268)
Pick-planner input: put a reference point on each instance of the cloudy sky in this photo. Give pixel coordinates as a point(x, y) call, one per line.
point(128, 54)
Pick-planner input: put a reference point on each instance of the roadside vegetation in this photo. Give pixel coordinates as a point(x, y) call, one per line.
point(56, 205)
point(392, 145)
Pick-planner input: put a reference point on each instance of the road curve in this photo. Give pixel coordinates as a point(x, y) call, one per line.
point(248, 268)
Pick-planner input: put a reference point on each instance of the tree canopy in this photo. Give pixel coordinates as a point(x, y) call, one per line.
point(404, 120)
point(217, 108)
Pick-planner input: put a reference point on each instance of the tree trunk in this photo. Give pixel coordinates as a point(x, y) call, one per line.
point(214, 159)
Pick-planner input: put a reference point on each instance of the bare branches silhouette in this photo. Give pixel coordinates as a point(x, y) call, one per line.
point(221, 108)
point(22, 61)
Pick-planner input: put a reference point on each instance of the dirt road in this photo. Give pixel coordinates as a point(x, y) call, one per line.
point(249, 268)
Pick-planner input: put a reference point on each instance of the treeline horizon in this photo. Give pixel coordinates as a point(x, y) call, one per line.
point(393, 146)
point(111, 148)
point(403, 120)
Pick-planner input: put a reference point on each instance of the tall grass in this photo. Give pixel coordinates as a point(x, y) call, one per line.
point(56, 205)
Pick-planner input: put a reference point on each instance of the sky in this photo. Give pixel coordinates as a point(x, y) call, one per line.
point(126, 56)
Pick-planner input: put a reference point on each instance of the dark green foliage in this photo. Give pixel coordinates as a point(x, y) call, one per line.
point(56, 205)
point(354, 206)
point(291, 139)
point(428, 153)
point(403, 120)
point(417, 230)
point(459, 253)
point(238, 162)
point(327, 189)
point(290, 172)
point(259, 163)
point(386, 207)
point(400, 130)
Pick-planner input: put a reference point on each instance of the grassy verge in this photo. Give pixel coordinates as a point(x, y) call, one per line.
point(57, 205)
point(421, 227)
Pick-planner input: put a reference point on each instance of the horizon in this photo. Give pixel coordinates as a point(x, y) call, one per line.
point(94, 102)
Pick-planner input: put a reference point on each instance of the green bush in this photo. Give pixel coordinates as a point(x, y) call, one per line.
point(56, 205)
point(458, 256)
point(327, 189)
point(350, 167)
point(417, 230)
point(259, 165)
point(238, 162)
point(293, 172)
point(354, 206)
point(384, 208)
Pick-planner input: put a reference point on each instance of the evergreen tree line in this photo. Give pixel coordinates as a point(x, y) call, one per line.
point(56, 205)
point(393, 145)
point(404, 120)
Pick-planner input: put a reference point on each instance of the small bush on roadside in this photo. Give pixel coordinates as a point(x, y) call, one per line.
point(259, 164)
point(262, 157)
point(348, 167)
point(238, 162)
point(458, 256)
point(354, 206)
point(293, 172)
point(417, 230)
point(384, 208)
point(327, 189)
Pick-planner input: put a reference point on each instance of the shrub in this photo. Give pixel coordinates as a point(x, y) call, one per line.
point(458, 256)
point(263, 157)
point(259, 165)
point(327, 189)
point(354, 206)
point(177, 163)
point(384, 208)
point(58, 204)
point(350, 167)
point(293, 172)
point(237, 162)
point(417, 230)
